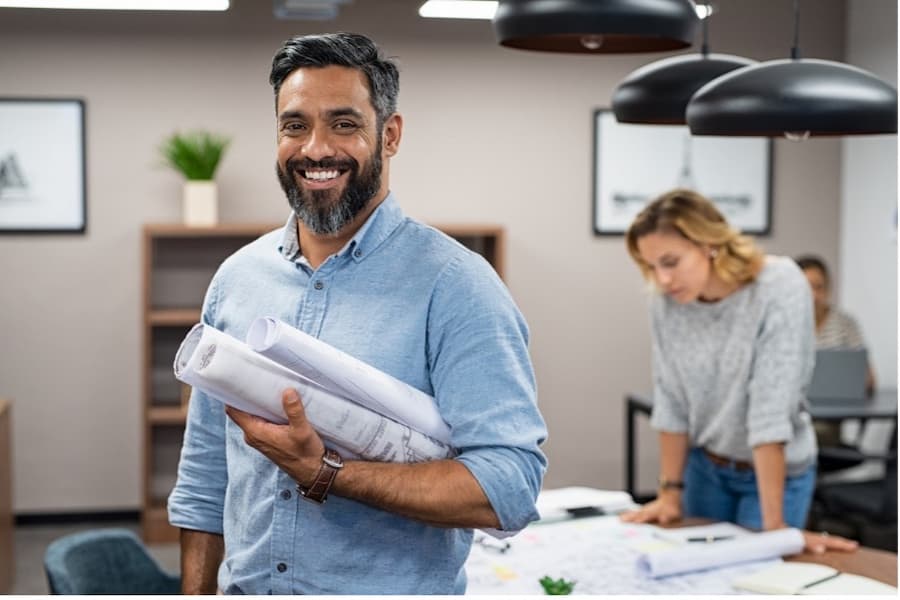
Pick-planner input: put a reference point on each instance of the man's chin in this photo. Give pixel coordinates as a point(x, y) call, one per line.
point(324, 199)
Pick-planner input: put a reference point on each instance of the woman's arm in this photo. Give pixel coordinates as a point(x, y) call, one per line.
point(769, 465)
point(667, 506)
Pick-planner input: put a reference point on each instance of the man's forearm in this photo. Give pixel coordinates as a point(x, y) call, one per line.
point(442, 493)
point(201, 555)
point(768, 463)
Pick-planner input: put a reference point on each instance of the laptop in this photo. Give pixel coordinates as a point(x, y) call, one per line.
point(839, 376)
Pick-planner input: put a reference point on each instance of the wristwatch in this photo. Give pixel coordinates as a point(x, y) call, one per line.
point(318, 491)
point(670, 484)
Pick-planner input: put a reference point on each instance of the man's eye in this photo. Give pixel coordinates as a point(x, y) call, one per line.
point(293, 127)
point(345, 125)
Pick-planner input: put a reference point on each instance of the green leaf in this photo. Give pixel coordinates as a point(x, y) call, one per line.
point(195, 155)
point(556, 587)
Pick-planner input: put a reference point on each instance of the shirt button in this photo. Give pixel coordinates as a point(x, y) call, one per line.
point(281, 567)
point(319, 285)
point(285, 494)
point(358, 253)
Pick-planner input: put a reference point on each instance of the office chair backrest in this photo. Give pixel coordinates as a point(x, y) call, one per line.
point(105, 561)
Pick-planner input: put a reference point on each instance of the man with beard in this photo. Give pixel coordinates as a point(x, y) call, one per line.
point(351, 269)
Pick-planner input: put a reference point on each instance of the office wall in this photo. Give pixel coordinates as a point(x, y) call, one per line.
point(491, 135)
point(867, 276)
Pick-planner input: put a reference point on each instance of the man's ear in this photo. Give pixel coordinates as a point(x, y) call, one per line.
point(393, 131)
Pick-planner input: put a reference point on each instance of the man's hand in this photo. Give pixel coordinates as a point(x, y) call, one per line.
point(442, 493)
point(296, 447)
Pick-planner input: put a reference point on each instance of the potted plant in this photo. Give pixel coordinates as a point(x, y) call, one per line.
point(196, 155)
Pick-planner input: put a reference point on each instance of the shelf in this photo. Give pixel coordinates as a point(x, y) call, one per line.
point(166, 415)
point(469, 229)
point(177, 230)
point(155, 526)
point(178, 263)
point(173, 317)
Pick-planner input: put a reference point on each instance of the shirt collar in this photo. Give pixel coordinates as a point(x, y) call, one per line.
point(377, 228)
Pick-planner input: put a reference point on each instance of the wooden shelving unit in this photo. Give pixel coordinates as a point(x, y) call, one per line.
point(178, 263)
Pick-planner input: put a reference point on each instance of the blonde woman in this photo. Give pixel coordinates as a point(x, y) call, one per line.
point(733, 353)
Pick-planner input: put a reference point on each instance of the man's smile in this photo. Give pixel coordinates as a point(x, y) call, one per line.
point(318, 179)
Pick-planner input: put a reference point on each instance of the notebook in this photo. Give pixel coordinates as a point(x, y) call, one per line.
point(810, 579)
point(839, 376)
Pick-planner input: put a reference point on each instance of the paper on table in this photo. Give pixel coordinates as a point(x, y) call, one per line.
point(347, 376)
point(600, 554)
point(695, 557)
point(231, 372)
point(557, 503)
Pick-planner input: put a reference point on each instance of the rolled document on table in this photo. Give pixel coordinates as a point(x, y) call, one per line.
point(689, 557)
point(348, 376)
point(231, 372)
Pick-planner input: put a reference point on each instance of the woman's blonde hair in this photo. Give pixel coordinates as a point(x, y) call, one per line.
point(737, 258)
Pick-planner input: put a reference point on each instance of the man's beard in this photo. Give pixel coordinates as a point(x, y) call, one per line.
point(315, 208)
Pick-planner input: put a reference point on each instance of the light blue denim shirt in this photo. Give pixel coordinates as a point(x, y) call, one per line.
point(415, 303)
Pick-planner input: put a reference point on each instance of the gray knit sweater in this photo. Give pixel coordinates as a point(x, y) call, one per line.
point(733, 374)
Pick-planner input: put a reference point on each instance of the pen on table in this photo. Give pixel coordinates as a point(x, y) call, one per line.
point(493, 545)
point(710, 538)
point(822, 580)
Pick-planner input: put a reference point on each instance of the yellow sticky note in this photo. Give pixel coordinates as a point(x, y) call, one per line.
point(504, 574)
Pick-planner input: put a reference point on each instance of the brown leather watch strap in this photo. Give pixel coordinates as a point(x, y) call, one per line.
point(670, 484)
point(318, 491)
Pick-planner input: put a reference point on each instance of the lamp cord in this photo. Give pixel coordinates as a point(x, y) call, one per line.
point(704, 49)
point(795, 49)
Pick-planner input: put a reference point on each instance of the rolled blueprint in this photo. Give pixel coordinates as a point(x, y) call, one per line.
point(700, 556)
point(231, 372)
point(347, 376)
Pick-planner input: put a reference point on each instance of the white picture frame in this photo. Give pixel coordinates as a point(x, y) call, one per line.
point(633, 164)
point(42, 166)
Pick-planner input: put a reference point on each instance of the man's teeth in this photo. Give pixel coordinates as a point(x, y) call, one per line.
point(322, 175)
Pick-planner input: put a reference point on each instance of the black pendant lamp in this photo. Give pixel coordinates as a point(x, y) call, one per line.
point(658, 93)
point(595, 26)
point(795, 97)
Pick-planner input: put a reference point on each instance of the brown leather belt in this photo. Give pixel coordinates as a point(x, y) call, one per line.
point(722, 461)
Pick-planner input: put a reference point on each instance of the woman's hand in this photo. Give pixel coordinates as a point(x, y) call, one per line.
point(819, 543)
point(664, 510)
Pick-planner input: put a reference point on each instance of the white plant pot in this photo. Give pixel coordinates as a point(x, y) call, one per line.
point(201, 205)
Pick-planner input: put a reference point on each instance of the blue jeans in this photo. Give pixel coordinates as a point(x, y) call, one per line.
point(723, 493)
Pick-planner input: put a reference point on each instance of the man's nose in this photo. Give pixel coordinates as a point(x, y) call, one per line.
point(319, 144)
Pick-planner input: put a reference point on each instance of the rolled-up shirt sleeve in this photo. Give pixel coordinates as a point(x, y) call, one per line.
point(197, 501)
point(484, 386)
point(782, 363)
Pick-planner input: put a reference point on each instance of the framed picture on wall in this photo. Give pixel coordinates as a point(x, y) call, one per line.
point(42, 166)
point(633, 164)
